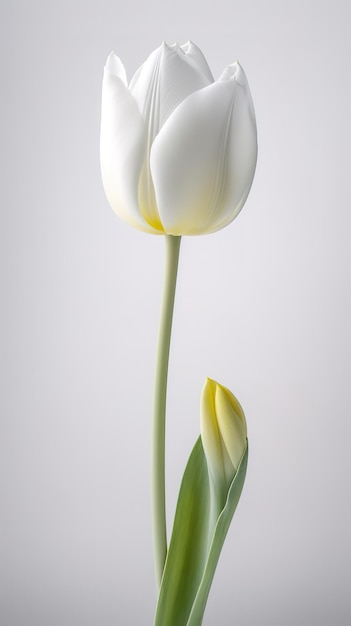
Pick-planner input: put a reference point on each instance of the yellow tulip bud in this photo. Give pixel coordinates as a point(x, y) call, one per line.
point(223, 434)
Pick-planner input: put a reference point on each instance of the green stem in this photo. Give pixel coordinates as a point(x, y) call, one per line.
point(159, 412)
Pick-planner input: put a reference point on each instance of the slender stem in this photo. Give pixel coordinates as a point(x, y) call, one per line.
point(159, 411)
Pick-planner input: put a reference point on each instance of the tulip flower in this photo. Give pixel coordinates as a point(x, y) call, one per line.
point(223, 434)
point(178, 149)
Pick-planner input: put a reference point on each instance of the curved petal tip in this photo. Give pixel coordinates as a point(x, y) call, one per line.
point(115, 66)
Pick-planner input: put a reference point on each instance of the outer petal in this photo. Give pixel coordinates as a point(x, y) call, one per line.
point(122, 146)
point(204, 158)
point(210, 434)
point(232, 426)
point(167, 77)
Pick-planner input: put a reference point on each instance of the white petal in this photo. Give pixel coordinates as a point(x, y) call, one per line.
point(194, 53)
point(167, 77)
point(115, 66)
point(204, 158)
point(122, 147)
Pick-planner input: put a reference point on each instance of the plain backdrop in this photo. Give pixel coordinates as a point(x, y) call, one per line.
point(262, 306)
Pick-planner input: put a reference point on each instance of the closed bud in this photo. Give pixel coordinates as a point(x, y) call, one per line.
point(223, 433)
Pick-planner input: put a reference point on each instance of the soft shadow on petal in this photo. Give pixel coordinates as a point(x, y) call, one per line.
point(122, 147)
point(180, 76)
point(194, 53)
point(242, 145)
point(204, 158)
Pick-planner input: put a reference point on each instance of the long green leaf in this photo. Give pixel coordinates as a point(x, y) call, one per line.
point(194, 549)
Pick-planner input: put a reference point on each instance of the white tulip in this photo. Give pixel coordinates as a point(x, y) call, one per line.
point(178, 149)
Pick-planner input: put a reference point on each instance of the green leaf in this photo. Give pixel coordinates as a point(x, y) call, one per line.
point(194, 548)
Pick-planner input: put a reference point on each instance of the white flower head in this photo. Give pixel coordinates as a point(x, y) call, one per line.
point(178, 149)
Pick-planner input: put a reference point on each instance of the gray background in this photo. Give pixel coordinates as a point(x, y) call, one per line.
point(262, 306)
